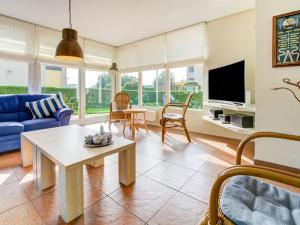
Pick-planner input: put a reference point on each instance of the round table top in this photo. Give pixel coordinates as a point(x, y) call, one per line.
point(136, 110)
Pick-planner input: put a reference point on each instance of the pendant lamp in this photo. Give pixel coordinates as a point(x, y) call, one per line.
point(69, 49)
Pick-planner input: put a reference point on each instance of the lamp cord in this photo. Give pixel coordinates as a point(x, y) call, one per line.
point(70, 14)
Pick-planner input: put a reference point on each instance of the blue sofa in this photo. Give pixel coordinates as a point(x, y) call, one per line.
point(15, 118)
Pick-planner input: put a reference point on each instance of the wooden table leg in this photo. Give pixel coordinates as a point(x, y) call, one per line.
point(71, 192)
point(125, 121)
point(44, 170)
point(97, 163)
point(133, 126)
point(27, 149)
point(145, 122)
point(127, 167)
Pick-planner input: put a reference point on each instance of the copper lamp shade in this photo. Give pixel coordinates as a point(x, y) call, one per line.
point(69, 49)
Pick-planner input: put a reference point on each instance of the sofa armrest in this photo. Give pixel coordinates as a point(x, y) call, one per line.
point(63, 115)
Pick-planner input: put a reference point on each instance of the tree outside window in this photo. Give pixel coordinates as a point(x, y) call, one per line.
point(185, 80)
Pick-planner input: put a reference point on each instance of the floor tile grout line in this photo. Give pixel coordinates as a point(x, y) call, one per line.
point(37, 211)
point(126, 209)
point(163, 205)
point(192, 197)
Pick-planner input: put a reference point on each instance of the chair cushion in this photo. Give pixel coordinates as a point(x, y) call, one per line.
point(10, 128)
point(248, 201)
point(173, 116)
point(38, 124)
point(46, 107)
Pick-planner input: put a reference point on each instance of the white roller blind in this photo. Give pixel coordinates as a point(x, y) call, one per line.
point(17, 39)
point(47, 41)
point(147, 52)
point(186, 44)
point(98, 54)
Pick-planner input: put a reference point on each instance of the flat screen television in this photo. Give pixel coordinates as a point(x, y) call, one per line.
point(227, 83)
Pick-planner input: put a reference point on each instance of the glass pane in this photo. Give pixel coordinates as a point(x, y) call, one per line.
point(185, 80)
point(154, 87)
point(130, 84)
point(13, 77)
point(98, 92)
point(65, 80)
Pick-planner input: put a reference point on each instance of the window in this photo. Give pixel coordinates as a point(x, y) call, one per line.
point(62, 79)
point(154, 87)
point(185, 80)
point(191, 69)
point(13, 77)
point(130, 84)
point(98, 92)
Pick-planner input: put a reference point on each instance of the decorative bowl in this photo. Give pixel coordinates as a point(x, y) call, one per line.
point(98, 140)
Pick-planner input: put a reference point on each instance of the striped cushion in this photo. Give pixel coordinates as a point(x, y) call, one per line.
point(46, 107)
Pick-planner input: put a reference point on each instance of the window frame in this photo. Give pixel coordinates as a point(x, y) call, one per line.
point(111, 94)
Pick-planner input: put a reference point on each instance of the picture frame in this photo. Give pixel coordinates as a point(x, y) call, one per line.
point(286, 40)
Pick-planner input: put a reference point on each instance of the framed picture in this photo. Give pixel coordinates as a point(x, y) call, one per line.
point(286, 39)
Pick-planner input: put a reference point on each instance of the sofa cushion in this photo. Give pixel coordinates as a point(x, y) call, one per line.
point(9, 104)
point(247, 201)
point(30, 98)
point(9, 107)
point(38, 124)
point(46, 107)
point(10, 128)
point(24, 112)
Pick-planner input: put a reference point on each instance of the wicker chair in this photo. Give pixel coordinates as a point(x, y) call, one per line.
point(215, 216)
point(121, 102)
point(171, 120)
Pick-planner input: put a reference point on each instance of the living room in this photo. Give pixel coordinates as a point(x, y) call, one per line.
point(161, 112)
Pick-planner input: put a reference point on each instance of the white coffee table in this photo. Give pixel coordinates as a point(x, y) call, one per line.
point(64, 146)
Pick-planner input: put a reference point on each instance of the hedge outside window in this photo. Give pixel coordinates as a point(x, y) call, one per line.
point(13, 77)
point(130, 84)
point(154, 87)
point(98, 92)
point(184, 80)
point(56, 79)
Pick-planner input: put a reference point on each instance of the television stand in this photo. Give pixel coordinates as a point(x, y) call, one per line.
point(230, 109)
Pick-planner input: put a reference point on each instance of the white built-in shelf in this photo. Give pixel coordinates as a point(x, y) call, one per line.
point(229, 126)
point(247, 108)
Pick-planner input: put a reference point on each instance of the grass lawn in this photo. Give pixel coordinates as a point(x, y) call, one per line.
point(95, 110)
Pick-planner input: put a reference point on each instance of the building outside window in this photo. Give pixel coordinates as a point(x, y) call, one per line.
point(154, 87)
point(185, 80)
point(98, 92)
point(13, 77)
point(56, 79)
point(130, 84)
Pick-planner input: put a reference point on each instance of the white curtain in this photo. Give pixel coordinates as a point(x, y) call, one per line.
point(17, 39)
point(149, 52)
point(174, 48)
point(186, 44)
point(24, 41)
point(98, 55)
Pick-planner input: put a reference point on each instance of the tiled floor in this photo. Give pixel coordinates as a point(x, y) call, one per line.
point(172, 186)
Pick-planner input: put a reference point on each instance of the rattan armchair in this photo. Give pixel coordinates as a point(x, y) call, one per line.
point(171, 120)
point(215, 216)
point(121, 102)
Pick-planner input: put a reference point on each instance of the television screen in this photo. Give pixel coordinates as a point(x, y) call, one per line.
point(227, 83)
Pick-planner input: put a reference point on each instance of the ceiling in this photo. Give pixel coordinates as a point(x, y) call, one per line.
point(117, 22)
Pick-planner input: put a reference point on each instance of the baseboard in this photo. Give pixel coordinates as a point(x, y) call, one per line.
point(276, 166)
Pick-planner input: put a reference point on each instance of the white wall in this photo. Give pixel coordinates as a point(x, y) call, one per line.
point(276, 110)
point(231, 39)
